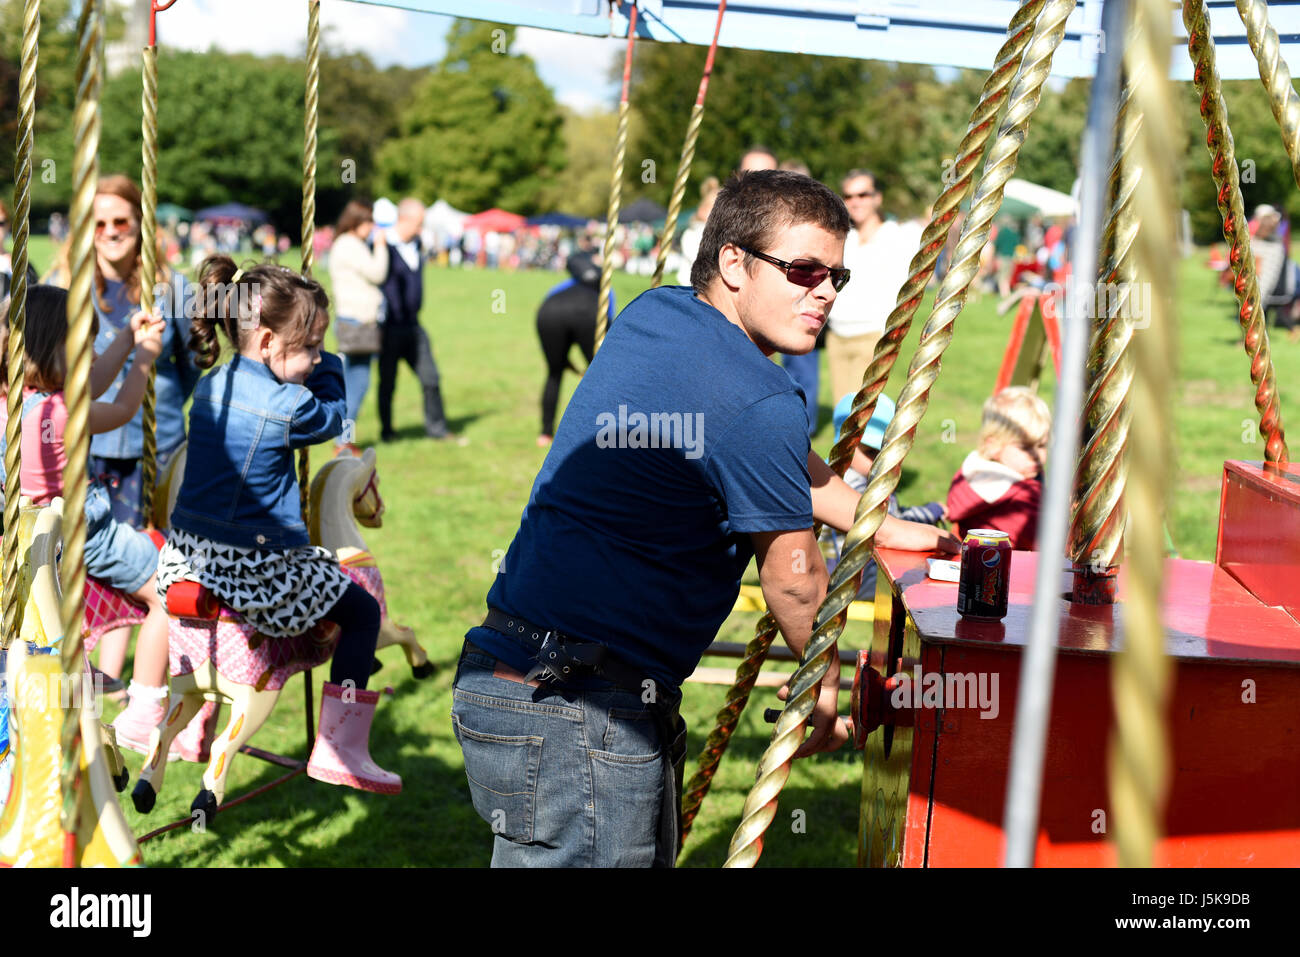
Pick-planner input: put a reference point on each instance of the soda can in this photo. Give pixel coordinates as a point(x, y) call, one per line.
point(984, 586)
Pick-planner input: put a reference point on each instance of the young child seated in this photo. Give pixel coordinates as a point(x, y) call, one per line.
point(931, 513)
point(1000, 484)
point(115, 553)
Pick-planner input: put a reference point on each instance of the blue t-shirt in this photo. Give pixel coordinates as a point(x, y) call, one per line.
point(681, 439)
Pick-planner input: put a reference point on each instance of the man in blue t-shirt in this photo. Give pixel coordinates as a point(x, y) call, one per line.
point(683, 453)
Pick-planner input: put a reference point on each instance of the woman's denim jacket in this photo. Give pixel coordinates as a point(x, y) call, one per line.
point(177, 373)
point(241, 483)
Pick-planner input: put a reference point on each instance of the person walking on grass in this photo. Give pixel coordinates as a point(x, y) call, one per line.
point(358, 265)
point(404, 340)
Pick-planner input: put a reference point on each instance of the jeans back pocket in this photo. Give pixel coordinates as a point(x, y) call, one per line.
point(502, 773)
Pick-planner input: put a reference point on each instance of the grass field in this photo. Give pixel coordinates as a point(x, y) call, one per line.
point(452, 511)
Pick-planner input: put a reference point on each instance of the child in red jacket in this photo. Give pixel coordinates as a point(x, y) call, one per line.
point(1000, 484)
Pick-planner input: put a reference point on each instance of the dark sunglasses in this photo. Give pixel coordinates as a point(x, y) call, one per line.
point(3, 223)
point(806, 272)
point(119, 223)
point(863, 195)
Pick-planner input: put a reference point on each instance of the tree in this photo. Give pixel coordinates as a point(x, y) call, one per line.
point(481, 130)
point(229, 128)
point(359, 103)
point(56, 88)
point(583, 190)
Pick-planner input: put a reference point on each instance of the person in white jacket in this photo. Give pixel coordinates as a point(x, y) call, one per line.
point(357, 270)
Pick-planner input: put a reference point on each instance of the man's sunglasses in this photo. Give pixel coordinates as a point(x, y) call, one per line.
point(120, 223)
point(806, 272)
point(867, 194)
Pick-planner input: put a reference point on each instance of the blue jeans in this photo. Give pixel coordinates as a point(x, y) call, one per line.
point(572, 779)
point(122, 479)
point(805, 371)
point(356, 380)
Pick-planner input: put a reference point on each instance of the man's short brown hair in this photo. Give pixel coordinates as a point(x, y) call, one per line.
point(752, 208)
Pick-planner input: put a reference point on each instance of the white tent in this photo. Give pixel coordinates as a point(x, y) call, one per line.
point(442, 222)
point(1050, 202)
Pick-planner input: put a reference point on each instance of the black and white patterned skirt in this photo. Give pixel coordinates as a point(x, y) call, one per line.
point(281, 592)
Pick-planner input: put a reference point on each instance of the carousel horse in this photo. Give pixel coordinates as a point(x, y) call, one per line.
point(214, 656)
point(38, 695)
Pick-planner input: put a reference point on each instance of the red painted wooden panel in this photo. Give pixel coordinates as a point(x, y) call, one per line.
point(1234, 782)
point(1259, 531)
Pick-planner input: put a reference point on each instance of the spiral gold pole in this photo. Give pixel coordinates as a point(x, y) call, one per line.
point(1250, 314)
point(688, 155)
point(1097, 510)
point(615, 191)
point(311, 104)
point(970, 149)
point(774, 768)
point(18, 310)
point(149, 266)
point(1139, 752)
point(76, 383)
point(1275, 76)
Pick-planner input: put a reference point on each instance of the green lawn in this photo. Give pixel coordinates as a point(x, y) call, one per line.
point(452, 511)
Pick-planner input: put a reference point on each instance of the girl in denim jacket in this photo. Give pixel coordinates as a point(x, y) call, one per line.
point(116, 553)
point(237, 524)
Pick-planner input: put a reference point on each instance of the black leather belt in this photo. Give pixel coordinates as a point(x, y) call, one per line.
point(561, 658)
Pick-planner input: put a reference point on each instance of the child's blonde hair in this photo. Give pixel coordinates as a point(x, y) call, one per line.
point(1014, 416)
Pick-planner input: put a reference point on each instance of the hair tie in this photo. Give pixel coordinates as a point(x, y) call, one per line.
point(239, 274)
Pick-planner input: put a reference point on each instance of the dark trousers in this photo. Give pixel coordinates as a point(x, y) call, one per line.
point(411, 345)
point(559, 331)
point(357, 615)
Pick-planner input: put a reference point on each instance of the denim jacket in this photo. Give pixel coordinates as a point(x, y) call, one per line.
point(177, 373)
point(241, 481)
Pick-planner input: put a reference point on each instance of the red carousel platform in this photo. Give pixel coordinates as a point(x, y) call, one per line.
point(935, 776)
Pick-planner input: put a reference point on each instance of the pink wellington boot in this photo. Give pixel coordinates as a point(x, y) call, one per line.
point(195, 743)
point(342, 751)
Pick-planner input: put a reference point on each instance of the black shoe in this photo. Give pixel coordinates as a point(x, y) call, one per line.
point(388, 437)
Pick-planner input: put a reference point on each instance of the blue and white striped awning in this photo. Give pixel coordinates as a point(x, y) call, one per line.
point(939, 32)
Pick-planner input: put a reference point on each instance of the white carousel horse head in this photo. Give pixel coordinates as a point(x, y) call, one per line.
point(345, 493)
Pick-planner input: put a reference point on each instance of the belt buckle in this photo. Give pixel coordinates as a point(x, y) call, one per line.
point(548, 654)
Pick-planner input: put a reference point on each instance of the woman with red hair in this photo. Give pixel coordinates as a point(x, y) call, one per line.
point(116, 456)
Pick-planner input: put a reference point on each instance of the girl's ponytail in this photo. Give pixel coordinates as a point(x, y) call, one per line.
point(217, 307)
point(237, 301)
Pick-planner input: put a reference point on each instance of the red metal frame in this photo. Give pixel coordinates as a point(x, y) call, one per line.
point(156, 8)
point(1234, 784)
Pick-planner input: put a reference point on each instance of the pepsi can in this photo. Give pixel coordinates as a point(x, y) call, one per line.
point(984, 586)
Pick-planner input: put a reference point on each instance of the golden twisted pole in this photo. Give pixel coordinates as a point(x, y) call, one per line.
point(149, 267)
point(615, 192)
point(18, 311)
point(1139, 752)
point(1250, 314)
point(76, 384)
point(774, 768)
point(1275, 76)
point(688, 155)
point(1097, 512)
point(980, 127)
point(311, 104)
